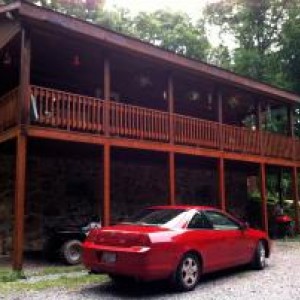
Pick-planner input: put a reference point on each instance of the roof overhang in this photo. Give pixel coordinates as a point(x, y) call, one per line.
point(29, 12)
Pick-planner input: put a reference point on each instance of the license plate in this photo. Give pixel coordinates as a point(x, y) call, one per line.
point(108, 257)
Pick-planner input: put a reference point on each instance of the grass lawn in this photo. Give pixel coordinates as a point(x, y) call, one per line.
point(17, 282)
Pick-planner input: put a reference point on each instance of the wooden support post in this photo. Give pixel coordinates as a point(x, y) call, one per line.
point(106, 95)
point(279, 186)
point(21, 151)
point(221, 183)
point(24, 91)
point(291, 121)
point(171, 107)
point(172, 179)
point(106, 184)
point(295, 186)
point(291, 128)
point(258, 116)
point(220, 119)
point(259, 125)
point(19, 206)
point(263, 192)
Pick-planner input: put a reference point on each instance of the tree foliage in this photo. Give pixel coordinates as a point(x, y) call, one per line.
point(256, 27)
point(171, 31)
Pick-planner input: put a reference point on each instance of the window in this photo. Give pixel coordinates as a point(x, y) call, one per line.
point(156, 216)
point(199, 221)
point(220, 221)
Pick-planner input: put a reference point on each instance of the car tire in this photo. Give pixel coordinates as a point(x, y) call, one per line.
point(71, 252)
point(188, 273)
point(259, 256)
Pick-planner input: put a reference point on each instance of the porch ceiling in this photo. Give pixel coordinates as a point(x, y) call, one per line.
point(50, 20)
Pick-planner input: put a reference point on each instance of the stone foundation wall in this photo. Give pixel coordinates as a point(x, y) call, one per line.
point(69, 190)
point(237, 194)
point(7, 180)
point(196, 187)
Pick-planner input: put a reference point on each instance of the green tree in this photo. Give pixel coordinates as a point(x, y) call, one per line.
point(172, 31)
point(290, 46)
point(256, 27)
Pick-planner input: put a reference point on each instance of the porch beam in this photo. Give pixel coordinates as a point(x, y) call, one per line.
point(295, 186)
point(106, 93)
point(50, 133)
point(221, 184)
point(172, 179)
point(106, 184)
point(19, 205)
point(263, 192)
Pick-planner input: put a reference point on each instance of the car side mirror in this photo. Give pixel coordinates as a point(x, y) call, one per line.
point(244, 226)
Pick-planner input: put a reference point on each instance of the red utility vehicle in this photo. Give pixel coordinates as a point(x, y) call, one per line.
point(176, 242)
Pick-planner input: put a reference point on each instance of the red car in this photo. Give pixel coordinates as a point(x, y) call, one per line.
point(176, 242)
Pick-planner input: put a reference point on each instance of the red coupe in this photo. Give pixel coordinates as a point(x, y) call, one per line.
point(176, 242)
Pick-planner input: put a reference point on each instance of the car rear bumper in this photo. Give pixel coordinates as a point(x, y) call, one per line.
point(138, 262)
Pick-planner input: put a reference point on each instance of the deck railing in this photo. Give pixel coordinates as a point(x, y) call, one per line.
point(138, 122)
point(8, 109)
point(240, 139)
point(72, 112)
point(196, 132)
point(67, 111)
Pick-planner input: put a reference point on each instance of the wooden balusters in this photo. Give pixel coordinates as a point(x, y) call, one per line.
point(73, 112)
point(68, 111)
point(196, 132)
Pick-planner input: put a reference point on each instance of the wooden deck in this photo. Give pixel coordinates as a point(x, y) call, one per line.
point(78, 113)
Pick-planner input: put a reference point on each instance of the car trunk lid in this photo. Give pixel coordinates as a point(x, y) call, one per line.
point(126, 235)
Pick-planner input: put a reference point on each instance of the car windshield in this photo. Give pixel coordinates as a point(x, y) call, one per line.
point(153, 216)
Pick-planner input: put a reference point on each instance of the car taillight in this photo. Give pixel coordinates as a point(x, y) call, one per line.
point(143, 240)
point(92, 236)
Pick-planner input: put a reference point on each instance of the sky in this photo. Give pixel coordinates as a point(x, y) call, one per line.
point(191, 7)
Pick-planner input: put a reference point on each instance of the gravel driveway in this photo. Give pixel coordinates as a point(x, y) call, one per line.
point(280, 280)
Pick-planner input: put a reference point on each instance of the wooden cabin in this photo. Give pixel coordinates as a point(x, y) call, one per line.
point(95, 122)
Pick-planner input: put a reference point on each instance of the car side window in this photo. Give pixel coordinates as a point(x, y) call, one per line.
point(220, 221)
point(199, 221)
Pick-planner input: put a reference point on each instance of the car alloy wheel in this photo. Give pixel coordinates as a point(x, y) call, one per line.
point(71, 252)
point(188, 272)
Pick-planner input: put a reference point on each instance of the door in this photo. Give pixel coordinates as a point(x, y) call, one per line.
point(231, 239)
